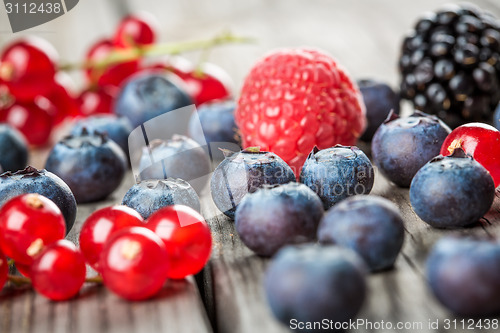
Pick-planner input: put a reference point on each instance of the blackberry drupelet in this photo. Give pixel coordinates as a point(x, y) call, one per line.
point(450, 64)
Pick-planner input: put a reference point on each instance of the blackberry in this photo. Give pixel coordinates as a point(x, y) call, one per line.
point(450, 64)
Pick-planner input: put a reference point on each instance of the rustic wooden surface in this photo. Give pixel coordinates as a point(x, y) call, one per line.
point(227, 296)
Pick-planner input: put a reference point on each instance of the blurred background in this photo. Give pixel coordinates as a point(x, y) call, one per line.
point(325, 24)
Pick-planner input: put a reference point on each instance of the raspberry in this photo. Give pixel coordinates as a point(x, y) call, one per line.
point(295, 99)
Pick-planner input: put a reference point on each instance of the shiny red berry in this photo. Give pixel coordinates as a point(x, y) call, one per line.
point(101, 225)
point(135, 30)
point(4, 269)
point(113, 74)
point(34, 119)
point(24, 269)
point(134, 263)
point(27, 224)
point(207, 83)
point(480, 140)
point(96, 101)
point(61, 97)
point(27, 67)
point(58, 272)
point(186, 236)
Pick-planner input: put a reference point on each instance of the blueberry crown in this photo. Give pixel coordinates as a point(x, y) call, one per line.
point(29, 171)
point(85, 138)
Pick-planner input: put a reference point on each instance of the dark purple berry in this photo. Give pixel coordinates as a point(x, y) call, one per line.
point(31, 180)
point(179, 157)
point(278, 215)
point(379, 100)
point(244, 172)
point(92, 165)
point(401, 146)
point(310, 283)
point(371, 226)
point(452, 191)
point(464, 273)
point(13, 149)
point(337, 173)
point(148, 196)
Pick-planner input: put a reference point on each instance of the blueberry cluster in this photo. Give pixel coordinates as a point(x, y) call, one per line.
point(450, 64)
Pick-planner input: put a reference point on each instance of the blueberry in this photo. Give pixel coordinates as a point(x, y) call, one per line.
point(310, 283)
point(148, 196)
point(496, 118)
point(337, 173)
point(116, 128)
point(401, 146)
point(149, 94)
point(179, 157)
point(277, 215)
point(217, 126)
point(379, 100)
point(464, 273)
point(243, 172)
point(92, 165)
point(13, 149)
point(31, 180)
point(370, 225)
point(452, 191)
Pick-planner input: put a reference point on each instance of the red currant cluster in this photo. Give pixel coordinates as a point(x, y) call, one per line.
point(36, 94)
point(134, 257)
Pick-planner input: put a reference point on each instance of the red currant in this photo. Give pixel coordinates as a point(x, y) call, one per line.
point(186, 236)
point(135, 30)
point(98, 101)
point(480, 140)
point(24, 269)
point(58, 272)
point(113, 74)
point(34, 119)
point(134, 263)
point(27, 223)
point(27, 67)
point(4, 269)
point(207, 83)
point(101, 225)
point(65, 105)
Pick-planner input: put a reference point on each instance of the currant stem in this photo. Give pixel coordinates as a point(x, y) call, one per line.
point(20, 280)
point(135, 53)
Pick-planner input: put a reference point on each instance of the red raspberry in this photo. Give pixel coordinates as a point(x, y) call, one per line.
point(295, 99)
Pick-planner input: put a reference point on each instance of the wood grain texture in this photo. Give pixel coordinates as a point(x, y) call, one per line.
point(227, 297)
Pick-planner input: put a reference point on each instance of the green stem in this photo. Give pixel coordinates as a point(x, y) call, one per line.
point(124, 55)
point(20, 280)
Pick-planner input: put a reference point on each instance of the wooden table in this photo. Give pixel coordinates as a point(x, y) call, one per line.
point(227, 296)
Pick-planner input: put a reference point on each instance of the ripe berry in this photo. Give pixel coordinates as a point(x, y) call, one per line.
point(450, 65)
point(4, 269)
point(480, 140)
point(92, 165)
point(134, 263)
point(186, 236)
point(100, 226)
point(27, 223)
point(95, 101)
point(58, 272)
point(65, 105)
point(206, 83)
point(13, 149)
point(295, 99)
point(244, 172)
point(33, 119)
point(135, 30)
point(113, 74)
point(452, 191)
point(27, 67)
point(24, 269)
point(31, 180)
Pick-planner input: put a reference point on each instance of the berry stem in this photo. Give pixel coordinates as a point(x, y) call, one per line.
point(20, 280)
point(123, 55)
